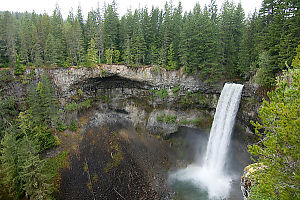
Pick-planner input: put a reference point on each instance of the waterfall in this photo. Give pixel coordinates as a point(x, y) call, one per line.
point(222, 126)
point(210, 174)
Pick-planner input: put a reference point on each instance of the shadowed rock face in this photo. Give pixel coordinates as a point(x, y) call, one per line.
point(115, 81)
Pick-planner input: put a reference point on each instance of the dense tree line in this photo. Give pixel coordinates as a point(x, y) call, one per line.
point(220, 43)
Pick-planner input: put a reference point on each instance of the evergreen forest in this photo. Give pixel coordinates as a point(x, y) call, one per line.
point(221, 43)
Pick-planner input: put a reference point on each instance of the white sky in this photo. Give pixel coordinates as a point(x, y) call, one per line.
point(41, 6)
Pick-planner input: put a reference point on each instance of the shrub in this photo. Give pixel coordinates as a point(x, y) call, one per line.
point(85, 104)
point(170, 119)
point(72, 106)
point(73, 126)
point(61, 126)
point(104, 98)
point(75, 106)
point(161, 117)
point(162, 94)
point(175, 90)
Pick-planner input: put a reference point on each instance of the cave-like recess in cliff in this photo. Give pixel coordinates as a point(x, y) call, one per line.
point(111, 82)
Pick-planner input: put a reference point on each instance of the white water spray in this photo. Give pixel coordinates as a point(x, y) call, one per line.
point(211, 176)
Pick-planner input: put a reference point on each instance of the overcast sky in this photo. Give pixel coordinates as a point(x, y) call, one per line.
point(41, 6)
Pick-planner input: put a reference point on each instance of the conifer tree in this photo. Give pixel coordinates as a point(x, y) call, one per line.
point(138, 46)
point(154, 35)
point(91, 56)
point(128, 52)
point(183, 49)
point(35, 183)
point(172, 64)
point(109, 56)
point(36, 52)
point(232, 27)
point(70, 41)
point(278, 146)
point(111, 27)
point(25, 38)
point(52, 52)
point(99, 35)
point(43, 103)
point(78, 41)
point(9, 38)
point(57, 46)
point(9, 163)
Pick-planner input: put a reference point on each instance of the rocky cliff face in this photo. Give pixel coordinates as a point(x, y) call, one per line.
point(247, 178)
point(156, 101)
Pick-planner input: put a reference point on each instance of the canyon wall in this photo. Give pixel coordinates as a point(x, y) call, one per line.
point(153, 100)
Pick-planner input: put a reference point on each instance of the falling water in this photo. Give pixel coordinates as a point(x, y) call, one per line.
point(222, 126)
point(210, 175)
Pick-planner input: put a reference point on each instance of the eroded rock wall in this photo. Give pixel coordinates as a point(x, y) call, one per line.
point(143, 95)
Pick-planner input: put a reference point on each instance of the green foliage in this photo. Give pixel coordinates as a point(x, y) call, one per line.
point(61, 126)
point(5, 77)
point(219, 45)
point(19, 70)
point(111, 28)
point(8, 111)
point(112, 56)
point(156, 69)
point(172, 64)
point(86, 104)
point(162, 94)
point(80, 92)
point(35, 183)
point(105, 98)
point(169, 119)
point(194, 98)
point(43, 103)
point(77, 106)
point(264, 76)
point(53, 51)
point(116, 56)
point(73, 126)
point(278, 147)
point(109, 56)
point(296, 60)
point(175, 90)
point(38, 132)
point(115, 133)
point(91, 57)
point(53, 165)
point(9, 166)
point(72, 107)
point(22, 167)
point(161, 117)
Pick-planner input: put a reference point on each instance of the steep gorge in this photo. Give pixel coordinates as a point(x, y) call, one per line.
point(124, 104)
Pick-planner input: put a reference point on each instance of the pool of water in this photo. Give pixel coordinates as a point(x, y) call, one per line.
point(237, 159)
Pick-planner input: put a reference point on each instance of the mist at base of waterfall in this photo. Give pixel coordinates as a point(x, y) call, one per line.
point(185, 183)
point(207, 182)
